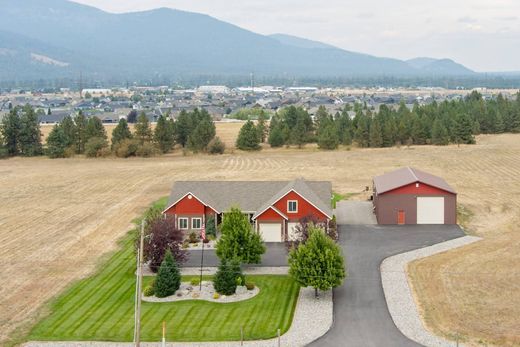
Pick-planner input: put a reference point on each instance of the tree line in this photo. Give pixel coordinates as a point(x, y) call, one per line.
point(20, 135)
point(436, 123)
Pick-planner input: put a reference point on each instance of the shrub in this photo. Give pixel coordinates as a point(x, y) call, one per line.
point(146, 150)
point(96, 147)
point(250, 285)
point(216, 146)
point(126, 148)
point(211, 230)
point(226, 278)
point(4, 153)
point(185, 244)
point(216, 296)
point(168, 278)
point(195, 281)
point(149, 290)
point(161, 236)
point(193, 237)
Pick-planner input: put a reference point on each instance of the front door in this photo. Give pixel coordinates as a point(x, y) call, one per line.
point(400, 217)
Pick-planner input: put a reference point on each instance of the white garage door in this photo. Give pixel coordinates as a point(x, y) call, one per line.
point(430, 210)
point(271, 232)
point(290, 230)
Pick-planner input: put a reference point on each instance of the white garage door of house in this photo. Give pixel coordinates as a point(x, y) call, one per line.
point(430, 210)
point(271, 232)
point(290, 230)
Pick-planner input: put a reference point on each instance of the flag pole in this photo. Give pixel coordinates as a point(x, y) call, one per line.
point(203, 237)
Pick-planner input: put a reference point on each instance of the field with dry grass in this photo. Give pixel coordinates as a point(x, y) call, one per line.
point(58, 217)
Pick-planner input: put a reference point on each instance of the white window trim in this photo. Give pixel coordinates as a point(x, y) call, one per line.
point(194, 219)
point(288, 203)
point(187, 224)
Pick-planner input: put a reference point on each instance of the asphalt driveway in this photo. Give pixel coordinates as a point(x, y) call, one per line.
point(355, 212)
point(361, 317)
point(275, 255)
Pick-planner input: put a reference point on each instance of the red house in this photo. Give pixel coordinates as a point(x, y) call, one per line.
point(274, 208)
point(411, 196)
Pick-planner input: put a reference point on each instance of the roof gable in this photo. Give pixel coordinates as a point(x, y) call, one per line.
point(406, 176)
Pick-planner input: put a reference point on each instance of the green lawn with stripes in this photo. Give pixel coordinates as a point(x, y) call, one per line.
point(101, 307)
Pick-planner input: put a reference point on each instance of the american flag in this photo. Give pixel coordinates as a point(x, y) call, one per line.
point(203, 232)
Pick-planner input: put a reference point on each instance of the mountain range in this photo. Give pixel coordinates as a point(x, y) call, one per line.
point(59, 38)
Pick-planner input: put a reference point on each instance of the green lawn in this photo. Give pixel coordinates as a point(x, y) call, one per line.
point(102, 308)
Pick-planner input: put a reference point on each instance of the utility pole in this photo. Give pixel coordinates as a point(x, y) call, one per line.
point(139, 286)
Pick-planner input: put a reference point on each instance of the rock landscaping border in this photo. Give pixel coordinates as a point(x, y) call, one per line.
point(312, 319)
point(210, 270)
point(398, 293)
point(188, 291)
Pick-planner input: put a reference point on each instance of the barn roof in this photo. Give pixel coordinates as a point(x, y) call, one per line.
point(252, 196)
point(406, 176)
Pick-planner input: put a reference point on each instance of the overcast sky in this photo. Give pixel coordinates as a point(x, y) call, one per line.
point(484, 35)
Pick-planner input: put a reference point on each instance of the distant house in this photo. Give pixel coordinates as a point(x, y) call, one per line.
point(411, 196)
point(274, 208)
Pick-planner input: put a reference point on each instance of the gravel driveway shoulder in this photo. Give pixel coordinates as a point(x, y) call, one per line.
point(399, 296)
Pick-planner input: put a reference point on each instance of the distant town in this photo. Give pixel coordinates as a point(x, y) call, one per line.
point(222, 102)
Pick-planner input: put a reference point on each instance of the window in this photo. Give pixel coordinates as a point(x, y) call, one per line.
point(292, 206)
point(196, 223)
point(183, 223)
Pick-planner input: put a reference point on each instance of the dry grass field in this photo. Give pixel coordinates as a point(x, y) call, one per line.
point(58, 217)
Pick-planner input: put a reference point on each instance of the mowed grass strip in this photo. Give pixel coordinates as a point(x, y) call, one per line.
point(101, 308)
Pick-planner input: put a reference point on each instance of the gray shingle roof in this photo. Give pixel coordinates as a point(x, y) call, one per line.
point(408, 175)
point(252, 196)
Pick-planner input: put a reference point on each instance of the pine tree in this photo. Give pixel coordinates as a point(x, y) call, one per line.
point(121, 132)
point(362, 131)
point(81, 125)
point(30, 137)
point(95, 128)
point(201, 136)
point(183, 128)
point(239, 240)
point(463, 130)
point(499, 123)
point(440, 135)
point(10, 131)
point(57, 142)
point(328, 136)
point(143, 132)
point(227, 276)
point(168, 279)
point(298, 134)
point(376, 137)
point(262, 126)
point(69, 130)
point(318, 262)
point(248, 137)
point(163, 134)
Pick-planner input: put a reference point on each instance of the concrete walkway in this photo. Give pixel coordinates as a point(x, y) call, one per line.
point(312, 319)
point(355, 213)
point(399, 297)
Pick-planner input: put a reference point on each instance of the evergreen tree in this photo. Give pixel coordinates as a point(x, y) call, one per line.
point(262, 126)
point(419, 132)
point(201, 136)
point(30, 137)
point(515, 120)
point(440, 135)
point(463, 130)
point(163, 134)
point(143, 131)
point(376, 137)
point(81, 138)
point(227, 276)
point(57, 142)
point(239, 240)
point(132, 117)
point(298, 134)
point(344, 127)
point(168, 279)
point(276, 138)
point(95, 128)
point(362, 137)
point(69, 130)
point(499, 123)
point(248, 137)
point(121, 132)
point(10, 131)
point(318, 262)
point(328, 136)
point(183, 128)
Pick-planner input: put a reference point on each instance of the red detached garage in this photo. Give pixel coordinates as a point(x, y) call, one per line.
point(411, 196)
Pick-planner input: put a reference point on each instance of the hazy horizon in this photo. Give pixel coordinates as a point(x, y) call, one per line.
point(484, 37)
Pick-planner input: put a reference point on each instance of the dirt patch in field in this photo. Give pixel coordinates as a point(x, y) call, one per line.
point(59, 216)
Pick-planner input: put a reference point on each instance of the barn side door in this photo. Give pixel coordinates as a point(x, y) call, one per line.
point(401, 219)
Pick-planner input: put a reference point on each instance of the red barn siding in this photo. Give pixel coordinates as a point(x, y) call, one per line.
point(423, 189)
point(189, 206)
point(304, 208)
point(269, 215)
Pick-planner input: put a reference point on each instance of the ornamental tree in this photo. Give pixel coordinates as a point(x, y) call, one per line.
point(318, 262)
point(228, 275)
point(168, 278)
point(162, 236)
point(239, 240)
